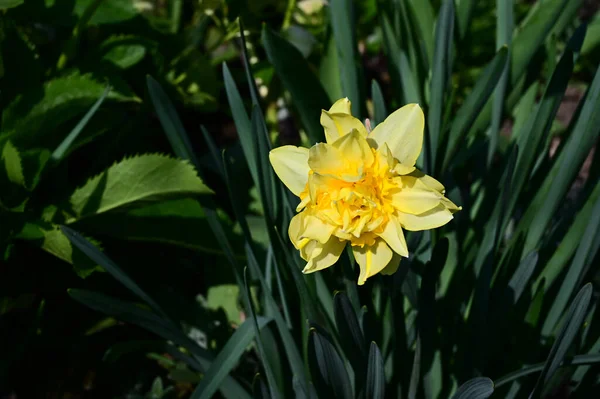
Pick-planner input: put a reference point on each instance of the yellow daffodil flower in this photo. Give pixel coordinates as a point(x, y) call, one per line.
point(361, 188)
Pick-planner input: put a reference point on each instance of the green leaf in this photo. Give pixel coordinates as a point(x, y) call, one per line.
point(520, 278)
point(108, 12)
point(464, 10)
point(123, 51)
point(476, 388)
point(329, 71)
point(170, 121)
point(504, 31)
point(42, 110)
point(424, 22)
point(569, 242)
point(415, 375)
point(531, 35)
point(227, 359)
point(5, 4)
point(592, 39)
point(345, 40)
point(137, 179)
point(440, 75)
point(52, 240)
point(12, 164)
point(578, 360)
point(469, 111)
point(375, 374)
point(565, 337)
point(306, 91)
point(350, 333)
point(64, 146)
point(327, 367)
point(576, 272)
point(242, 123)
point(567, 164)
point(379, 110)
point(111, 267)
point(272, 384)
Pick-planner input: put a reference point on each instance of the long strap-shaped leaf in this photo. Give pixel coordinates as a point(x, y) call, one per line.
point(375, 374)
point(227, 359)
point(564, 339)
point(477, 388)
point(111, 267)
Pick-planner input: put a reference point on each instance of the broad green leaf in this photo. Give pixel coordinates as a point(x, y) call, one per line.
point(11, 158)
point(122, 54)
point(327, 367)
point(379, 110)
point(565, 337)
point(109, 11)
point(375, 374)
point(306, 91)
point(576, 272)
point(52, 240)
point(477, 388)
point(5, 4)
point(441, 71)
point(553, 189)
point(227, 359)
point(591, 359)
point(64, 146)
point(42, 110)
point(342, 24)
point(137, 179)
point(180, 222)
point(468, 112)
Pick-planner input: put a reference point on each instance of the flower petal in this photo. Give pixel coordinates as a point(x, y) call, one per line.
point(371, 259)
point(431, 219)
point(415, 197)
point(325, 255)
point(429, 181)
point(315, 229)
point(326, 160)
point(393, 266)
point(337, 125)
point(355, 150)
point(403, 133)
point(291, 166)
point(394, 236)
point(341, 106)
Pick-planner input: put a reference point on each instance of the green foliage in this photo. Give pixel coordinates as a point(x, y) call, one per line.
point(117, 117)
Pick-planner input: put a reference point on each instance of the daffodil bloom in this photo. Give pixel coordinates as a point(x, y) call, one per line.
point(361, 188)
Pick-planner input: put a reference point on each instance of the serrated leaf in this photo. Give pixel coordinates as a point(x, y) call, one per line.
point(60, 99)
point(124, 55)
point(477, 388)
point(51, 239)
point(137, 179)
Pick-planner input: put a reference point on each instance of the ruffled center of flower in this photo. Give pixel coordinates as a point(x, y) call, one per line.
point(357, 209)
